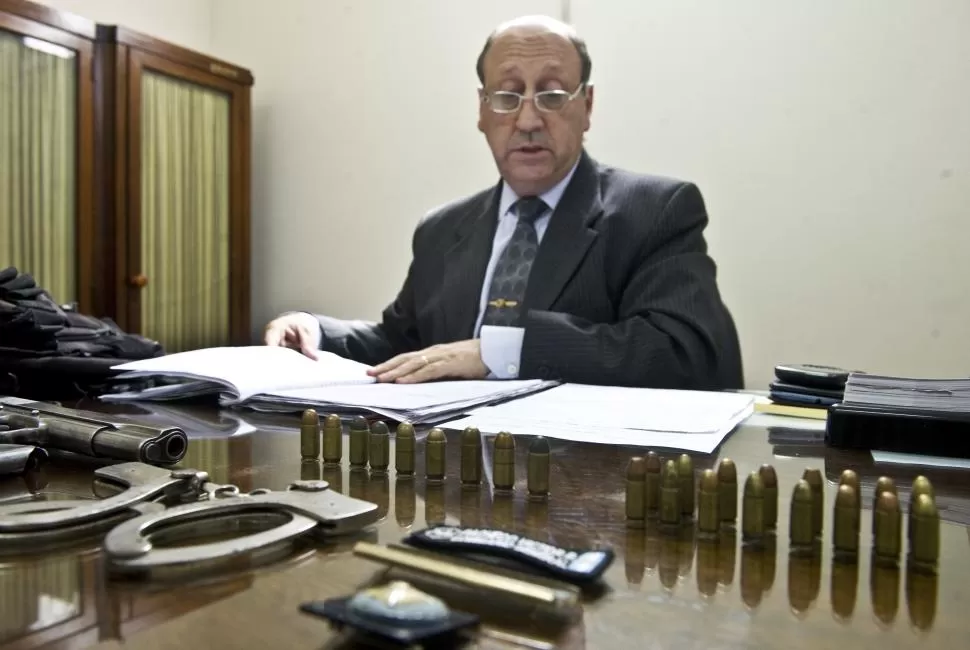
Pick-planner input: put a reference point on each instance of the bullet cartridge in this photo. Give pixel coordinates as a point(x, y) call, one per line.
point(727, 486)
point(670, 511)
point(685, 472)
point(769, 478)
point(801, 529)
point(636, 474)
point(435, 456)
point(310, 435)
point(471, 457)
point(333, 441)
point(753, 509)
point(813, 477)
point(379, 454)
point(850, 478)
point(924, 527)
point(404, 450)
point(359, 432)
point(921, 485)
point(538, 468)
point(708, 517)
point(652, 494)
point(887, 528)
point(845, 521)
point(503, 462)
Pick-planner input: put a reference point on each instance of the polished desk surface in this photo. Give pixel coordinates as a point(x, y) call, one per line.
point(662, 591)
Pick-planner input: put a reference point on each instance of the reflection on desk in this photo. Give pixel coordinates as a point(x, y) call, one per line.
point(678, 589)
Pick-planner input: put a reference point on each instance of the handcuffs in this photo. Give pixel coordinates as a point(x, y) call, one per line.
point(158, 502)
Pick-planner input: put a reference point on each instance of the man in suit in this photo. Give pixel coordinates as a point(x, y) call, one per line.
point(566, 269)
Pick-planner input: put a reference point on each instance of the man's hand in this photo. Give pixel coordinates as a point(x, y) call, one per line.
point(298, 331)
point(459, 360)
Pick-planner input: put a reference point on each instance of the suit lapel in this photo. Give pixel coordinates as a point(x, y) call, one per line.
point(465, 264)
point(567, 238)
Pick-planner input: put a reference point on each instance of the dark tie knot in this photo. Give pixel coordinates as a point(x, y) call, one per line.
point(530, 208)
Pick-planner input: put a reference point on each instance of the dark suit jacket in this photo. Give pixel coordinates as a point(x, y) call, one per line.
point(622, 291)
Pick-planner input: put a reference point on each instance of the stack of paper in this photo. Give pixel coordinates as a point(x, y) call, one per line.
point(283, 380)
point(944, 395)
point(675, 419)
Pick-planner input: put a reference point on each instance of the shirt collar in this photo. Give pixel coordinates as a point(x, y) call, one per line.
point(551, 196)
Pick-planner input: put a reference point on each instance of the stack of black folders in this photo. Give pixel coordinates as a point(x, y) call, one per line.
point(900, 414)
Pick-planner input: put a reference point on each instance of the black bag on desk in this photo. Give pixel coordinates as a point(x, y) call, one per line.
point(47, 351)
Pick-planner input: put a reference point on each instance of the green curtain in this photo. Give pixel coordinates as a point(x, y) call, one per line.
point(38, 141)
point(184, 213)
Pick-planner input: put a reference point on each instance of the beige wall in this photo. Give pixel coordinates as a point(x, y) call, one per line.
point(831, 139)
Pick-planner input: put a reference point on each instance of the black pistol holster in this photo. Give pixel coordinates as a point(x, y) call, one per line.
point(48, 351)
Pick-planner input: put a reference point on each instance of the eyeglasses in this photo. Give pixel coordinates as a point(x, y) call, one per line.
point(547, 101)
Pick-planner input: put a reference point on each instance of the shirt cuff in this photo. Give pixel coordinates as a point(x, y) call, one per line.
point(502, 350)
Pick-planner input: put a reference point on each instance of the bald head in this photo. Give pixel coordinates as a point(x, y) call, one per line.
point(525, 26)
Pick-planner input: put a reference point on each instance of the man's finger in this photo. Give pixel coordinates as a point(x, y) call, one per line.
point(409, 365)
point(424, 373)
point(273, 336)
point(303, 340)
point(389, 365)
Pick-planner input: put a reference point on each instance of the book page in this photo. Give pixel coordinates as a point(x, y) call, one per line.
point(248, 370)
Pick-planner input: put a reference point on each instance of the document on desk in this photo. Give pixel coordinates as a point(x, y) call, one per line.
point(278, 379)
point(685, 420)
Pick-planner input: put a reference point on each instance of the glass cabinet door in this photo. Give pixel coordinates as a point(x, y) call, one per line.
point(46, 158)
point(185, 237)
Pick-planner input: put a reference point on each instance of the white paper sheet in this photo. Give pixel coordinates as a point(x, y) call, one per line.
point(916, 459)
point(685, 420)
point(248, 370)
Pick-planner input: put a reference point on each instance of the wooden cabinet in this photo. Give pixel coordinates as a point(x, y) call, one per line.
point(151, 210)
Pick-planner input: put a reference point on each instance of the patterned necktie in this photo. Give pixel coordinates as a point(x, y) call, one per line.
point(512, 270)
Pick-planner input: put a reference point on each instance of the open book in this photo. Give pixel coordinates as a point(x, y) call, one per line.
point(280, 379)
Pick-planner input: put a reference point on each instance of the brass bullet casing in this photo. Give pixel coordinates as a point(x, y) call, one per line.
point(636, 474)
point(404, 450)
point(359, 431)
point(753, 509)
point(924, 525)
point(814, 478)
point(801, 528)
point(921, 485)
point(379, 441)
point(652, 497)
point(670, 494)
point(434, 456)
point(883, 484)
point(887, 528)
point(708, 517)
point(845, 522)
point(769, 478)
point(310, 435)
point(727, 487)
point(538, 469)
point(503, 462)
point(850, 478)
point(685, 472)
point(333, 440)
point(471, 457)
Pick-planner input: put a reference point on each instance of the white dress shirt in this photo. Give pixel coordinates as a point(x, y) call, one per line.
point(502, 346)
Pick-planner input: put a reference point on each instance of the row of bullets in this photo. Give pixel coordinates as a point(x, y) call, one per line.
point(666, 491)
point(370, 445)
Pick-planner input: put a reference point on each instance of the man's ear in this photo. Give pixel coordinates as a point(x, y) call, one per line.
point(588, 100)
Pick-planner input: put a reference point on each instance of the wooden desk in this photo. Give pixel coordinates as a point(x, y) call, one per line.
point(663, 591)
